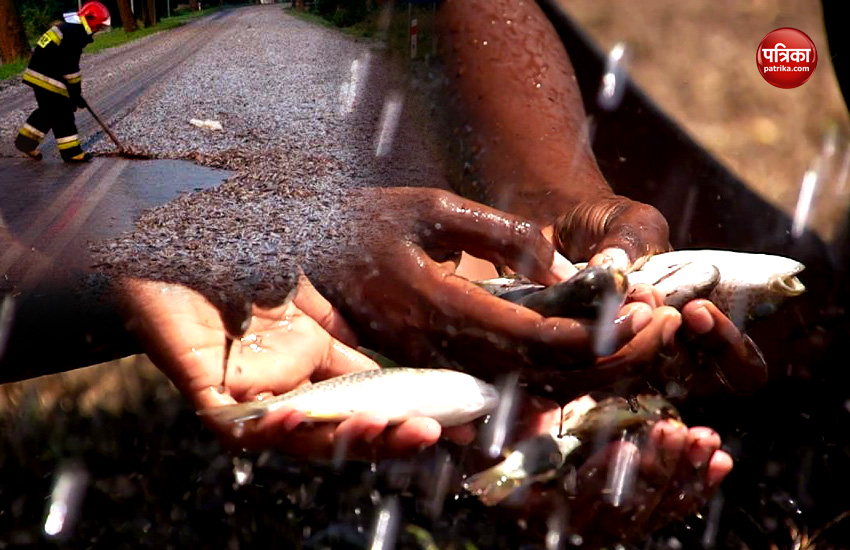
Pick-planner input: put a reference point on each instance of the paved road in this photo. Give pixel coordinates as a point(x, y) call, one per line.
point(56, 208)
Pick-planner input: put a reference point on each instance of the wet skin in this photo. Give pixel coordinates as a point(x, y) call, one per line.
point(284, 347)
point(392, 276)
point(676, 470)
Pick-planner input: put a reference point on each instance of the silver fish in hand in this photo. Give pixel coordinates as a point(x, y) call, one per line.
point(745, 286)
point(582, 296)
point(397, 394)
point(583, 421)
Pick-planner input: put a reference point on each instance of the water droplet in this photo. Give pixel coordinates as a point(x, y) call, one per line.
point(242, 471)
point(238, 429)
point(66, 496)
point(496, 431)
point(614, 80)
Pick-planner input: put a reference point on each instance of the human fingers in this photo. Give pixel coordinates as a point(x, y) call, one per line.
point(660, 458)
point(596, 511)
point(496, 236)
point(646, 294)
point(612, 223)
point(700, 470)
point(642, 350)
point(340, 359)
point(472, 312)
point(738, 360)
point(462, 435)
point(311, 302)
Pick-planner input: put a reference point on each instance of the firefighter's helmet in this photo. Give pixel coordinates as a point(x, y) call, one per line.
point(96, 15)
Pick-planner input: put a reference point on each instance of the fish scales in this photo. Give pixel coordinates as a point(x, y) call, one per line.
point(397, 394)
point(742, 285)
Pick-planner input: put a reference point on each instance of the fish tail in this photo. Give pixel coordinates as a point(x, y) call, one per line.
point(492, 486)
point(239, 412)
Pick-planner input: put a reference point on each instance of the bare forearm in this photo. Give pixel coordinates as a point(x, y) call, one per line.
point(520, 108)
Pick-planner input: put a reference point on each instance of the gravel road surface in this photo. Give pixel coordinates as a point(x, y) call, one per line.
point(300, 109)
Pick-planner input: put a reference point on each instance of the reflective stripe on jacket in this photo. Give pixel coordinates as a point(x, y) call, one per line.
point(55, 61)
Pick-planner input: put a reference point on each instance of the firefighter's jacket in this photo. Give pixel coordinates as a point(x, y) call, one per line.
point(55, 61)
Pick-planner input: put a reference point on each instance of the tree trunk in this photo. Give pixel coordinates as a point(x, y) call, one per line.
point(13, 41)
point(193, 5)
point(299, 5)
point(128, 20)
point(149, 12)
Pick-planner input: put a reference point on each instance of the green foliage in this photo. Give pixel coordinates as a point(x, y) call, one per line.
point(342, 13)
point(110, 39)
point(38, 16)
point(13, 69)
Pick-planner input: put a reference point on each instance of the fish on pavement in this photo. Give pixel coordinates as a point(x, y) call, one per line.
point(542, 457)
point(397, 394)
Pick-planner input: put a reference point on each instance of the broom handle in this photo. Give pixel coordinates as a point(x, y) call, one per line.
point(105, 129)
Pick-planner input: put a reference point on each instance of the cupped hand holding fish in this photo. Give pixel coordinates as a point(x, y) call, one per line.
point(295, 344)
point(622, 233)
point(392, 272)
point(624, 490)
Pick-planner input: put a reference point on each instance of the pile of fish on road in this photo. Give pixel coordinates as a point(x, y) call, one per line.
point(743, 286)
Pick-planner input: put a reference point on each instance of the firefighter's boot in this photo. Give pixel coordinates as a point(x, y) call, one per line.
point(28, 140)
point(70, 149)
point(80, 158)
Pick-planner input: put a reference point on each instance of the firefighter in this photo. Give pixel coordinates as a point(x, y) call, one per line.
point(54, 75)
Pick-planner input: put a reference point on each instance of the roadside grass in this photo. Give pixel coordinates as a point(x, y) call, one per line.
point(116, 37)
point(13, 69)
point(396, 35)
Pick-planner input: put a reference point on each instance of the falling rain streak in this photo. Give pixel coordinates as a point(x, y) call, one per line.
point(7, 312)
point(69, 487)
point(386, 525)
point(604, 342)
point(350, 90)
point(622, 472)
point(613, 85)
point(811, 180)
point(390, 116)
point(497, 428)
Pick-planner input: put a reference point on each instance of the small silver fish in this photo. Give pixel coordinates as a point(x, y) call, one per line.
point(541, 458)
point(397, 394)
point(748, 285)
point(742, 285)
point(582, 296)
